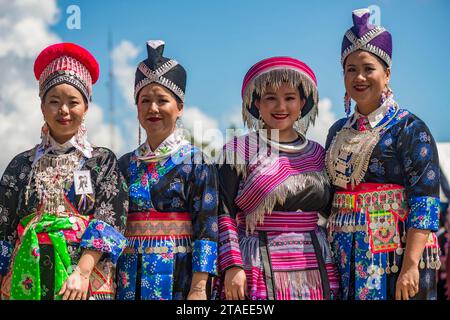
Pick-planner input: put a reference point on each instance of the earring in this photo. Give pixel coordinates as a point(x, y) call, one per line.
point(81, 132)
point(179, 123)
point(139, 134)
point(347, 104)
point(390, 93)
point(44, 129)
point(301, 123)
point(386, 94)
point(82, 129)
point(261, 122)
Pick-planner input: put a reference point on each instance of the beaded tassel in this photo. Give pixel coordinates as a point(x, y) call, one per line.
point(347, 104)
point(139, 135)
point(52, 174)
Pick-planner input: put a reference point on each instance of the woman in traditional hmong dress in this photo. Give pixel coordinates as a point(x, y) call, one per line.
point(172, 222)
point(384, 163)
point(270, 245)
point(63, 203)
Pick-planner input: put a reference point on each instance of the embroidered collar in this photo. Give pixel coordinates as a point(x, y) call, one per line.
point(375, 117)
point(49, 144)
point(166, 149)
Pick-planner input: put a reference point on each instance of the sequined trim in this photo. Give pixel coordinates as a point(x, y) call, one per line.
point(157, 77)
point(59, 79)
point(363, 44)
point(349, 154)
point(275, 77)
point(376, 210)
point(73, 71)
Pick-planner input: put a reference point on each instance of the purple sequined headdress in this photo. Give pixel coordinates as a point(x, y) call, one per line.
point(367, 37)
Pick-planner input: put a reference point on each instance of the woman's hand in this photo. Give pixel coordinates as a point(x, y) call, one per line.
point(235, 284)
point(76, 286)
point(197, 294)
point(407, 283)
point(198, 286)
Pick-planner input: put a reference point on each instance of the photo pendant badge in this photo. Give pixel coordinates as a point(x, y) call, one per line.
point(83, 184)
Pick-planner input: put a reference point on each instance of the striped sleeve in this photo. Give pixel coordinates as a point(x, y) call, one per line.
point(229, 252)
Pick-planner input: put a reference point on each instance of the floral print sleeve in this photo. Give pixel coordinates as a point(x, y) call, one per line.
point(100, 236)
point(105, 232)
point(9, 198)
point(419, 155)
point(5, 256)
point(203, 208)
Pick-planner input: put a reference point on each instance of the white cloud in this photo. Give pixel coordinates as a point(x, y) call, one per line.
point(203, 128)
point(233, 117)
point(131, 125)
point(24, 27)
point(99, 132)
point(123, 57)
point(444, 162)
point(444, 157)
point(24, 32)
point(324, 121)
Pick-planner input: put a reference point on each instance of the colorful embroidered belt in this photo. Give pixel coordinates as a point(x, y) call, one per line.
point(157, 224)
point(74, 235)
point(376, 209)
point(156, 232)
point(372, 197)
point(281, 221)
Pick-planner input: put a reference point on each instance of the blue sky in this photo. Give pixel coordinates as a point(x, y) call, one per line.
point(217, 41)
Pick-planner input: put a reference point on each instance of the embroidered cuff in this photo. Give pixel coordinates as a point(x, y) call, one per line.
point(100, 236)
point(424, 213)
point(229, 252)
point(204, 256)
point(5, 256)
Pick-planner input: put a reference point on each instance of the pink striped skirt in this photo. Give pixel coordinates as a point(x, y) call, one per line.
point(288, 257)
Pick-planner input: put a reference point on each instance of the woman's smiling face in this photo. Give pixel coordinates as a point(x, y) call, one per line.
point(158, 110)
point(280, 108)
point(365, 79)
point(63, 107)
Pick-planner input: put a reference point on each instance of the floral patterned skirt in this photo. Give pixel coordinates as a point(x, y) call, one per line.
point(144, 274)
point(358, 284)
point(367, 230)
point(158, 262)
